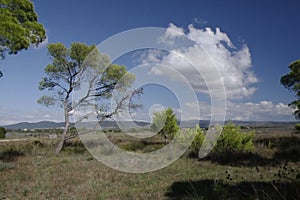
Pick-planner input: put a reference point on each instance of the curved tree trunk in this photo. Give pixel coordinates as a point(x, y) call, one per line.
point(61, 142)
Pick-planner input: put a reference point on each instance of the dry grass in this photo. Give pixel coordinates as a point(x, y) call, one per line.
point(30, 170)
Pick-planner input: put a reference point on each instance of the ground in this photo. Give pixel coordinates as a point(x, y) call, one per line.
point(30, 170)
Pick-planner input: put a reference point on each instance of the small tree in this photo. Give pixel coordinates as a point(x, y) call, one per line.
point(66, 73)
point(165, 123)
point(19, 27)
point(291, 81)
point(2, 132)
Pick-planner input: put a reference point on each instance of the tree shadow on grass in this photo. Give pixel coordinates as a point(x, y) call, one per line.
point(239, 159)
point(211, 189)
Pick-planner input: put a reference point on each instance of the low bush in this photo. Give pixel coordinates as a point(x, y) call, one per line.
point(10, 154)
point(2, 132)
point(232, 139)
point(192, 138)
point(297, 126)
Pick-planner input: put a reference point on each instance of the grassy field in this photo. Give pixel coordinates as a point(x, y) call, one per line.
point(30, 170)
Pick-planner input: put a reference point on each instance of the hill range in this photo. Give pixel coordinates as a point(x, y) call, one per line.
point(128, 124)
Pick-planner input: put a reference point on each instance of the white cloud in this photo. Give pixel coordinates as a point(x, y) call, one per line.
point(261, 111)
point(174, 31)
point(208, 50)
point(249, 111)
point(200, 21)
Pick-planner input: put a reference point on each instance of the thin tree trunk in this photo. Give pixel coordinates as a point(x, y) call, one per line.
point(61, 142)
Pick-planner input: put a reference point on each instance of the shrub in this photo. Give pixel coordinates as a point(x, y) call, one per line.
point(198, 140)
point(73, 130)
point(297, 126)
point(185, 137)
point(2, 132)
point(233, 139)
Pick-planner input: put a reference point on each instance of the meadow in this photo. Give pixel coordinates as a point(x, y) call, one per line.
point(30, 170)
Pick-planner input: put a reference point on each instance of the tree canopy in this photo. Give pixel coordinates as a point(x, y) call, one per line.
point(2, 132)
point(19, 27)
point(165, 123)
point(291, 81)
point(70, 68)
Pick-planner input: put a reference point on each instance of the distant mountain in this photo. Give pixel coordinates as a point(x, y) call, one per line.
point(35, 125)
point(129, 124)
point(265, 124)
point(52, 125)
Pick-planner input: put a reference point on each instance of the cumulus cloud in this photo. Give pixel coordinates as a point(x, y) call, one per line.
point(260, 111)
point(207, 51)
point(172, 32)
point(249, 111)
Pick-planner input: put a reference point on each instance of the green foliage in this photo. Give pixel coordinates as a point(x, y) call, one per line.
point(11, 154)
point(73, 130)
point(46, 101)
point(297, 126)
point(192, 138)
point(198, 140)
point(165, 123)
point(291, 81)
point(19, 27)
point(67, 70)
point(232, 139)
point(2, 132)
point(84, 64)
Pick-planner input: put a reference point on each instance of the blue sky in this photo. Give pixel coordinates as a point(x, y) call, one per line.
point(269, 29)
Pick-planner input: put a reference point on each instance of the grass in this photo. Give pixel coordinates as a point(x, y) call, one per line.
point(31, 170)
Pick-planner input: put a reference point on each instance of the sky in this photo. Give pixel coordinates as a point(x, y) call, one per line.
point(251, 42)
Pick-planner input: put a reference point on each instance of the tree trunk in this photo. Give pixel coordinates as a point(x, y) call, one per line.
point(61, 142)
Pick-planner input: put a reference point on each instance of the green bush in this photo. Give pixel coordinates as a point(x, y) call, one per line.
point(297, 126)
point(2, 132)
point(72, 130)
point(233, 139)
point(196, 134)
